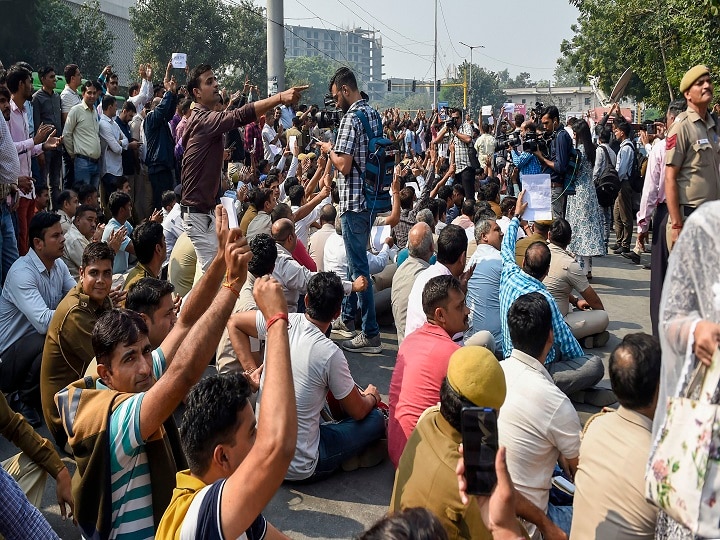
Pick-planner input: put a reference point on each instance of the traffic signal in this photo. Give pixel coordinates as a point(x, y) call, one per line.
point(414, 85)
point(437, 85)
point(389, 85)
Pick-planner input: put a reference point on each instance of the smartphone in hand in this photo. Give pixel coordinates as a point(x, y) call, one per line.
point(480, 444)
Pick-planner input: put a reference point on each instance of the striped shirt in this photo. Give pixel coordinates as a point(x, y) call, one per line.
point(132, 508)
point(352, 140)
point(515, 283)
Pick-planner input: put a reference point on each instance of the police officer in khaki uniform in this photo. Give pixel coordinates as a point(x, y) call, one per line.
point(692, 174)
point(68, 344)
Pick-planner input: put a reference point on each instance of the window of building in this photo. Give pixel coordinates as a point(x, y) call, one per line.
point(587, 101)
point(523, 100)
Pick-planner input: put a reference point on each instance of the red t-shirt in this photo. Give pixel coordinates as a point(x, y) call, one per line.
point(301, 255)
point(421, 366)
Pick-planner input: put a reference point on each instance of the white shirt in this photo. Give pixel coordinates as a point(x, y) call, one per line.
point(537, 423)
point(504, 223)
point(68, 99)
point(316, 244)
point(268, 134)
point(335, 257)
point(415, 314)
point(173, 228)
point(318, 365)
point(112, 144)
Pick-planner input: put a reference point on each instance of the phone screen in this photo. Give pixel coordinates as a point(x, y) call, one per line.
point(480, 444)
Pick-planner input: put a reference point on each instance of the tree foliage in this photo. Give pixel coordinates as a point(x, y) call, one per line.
point(50, 33)
point(247, 47)
point(313, 70)
point(485, 89)
point(659, 41)
point(520, 81)
point(566, 74)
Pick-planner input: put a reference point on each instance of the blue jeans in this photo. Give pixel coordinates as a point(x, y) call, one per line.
point(561, 516)
point(339, 441)
point(87, 172)
point(356, 232)
point(8, 242)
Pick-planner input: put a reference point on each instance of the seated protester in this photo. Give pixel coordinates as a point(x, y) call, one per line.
point(172, 221)
point(610, 480)
point(67, 203)
point(421, 248)
point(264, 254)
point(410, 524)
point(507, 207)
point(81, 232)
point(182, 266)
point(135, 401)
point(68, 346)
point(18, 517)
point(121, 210)
point(299, 253)
point(445, 194)
point(423, 358)
point(407, 217)
point(570, 368)
point(589, 323)
point(148, 239)
point(318, 366)
point(537, 423)
point(316, 242)
point(292, 275)
point(490, 192)
point(457, 197)
point(250, 211)
point(33, 289)
point(536, 231)
point(483, 287)
point(265, 202)
point(299, 205)
point(236, 468)
point(42, 197)
point(87, 194)
point(465, 219)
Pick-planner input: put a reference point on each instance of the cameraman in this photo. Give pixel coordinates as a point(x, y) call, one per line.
point(560, 150)
point(349, 155)
point(526, 161)
point(461, 133)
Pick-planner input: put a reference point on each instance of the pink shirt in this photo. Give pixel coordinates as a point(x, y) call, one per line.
point(421, 366)
point(25, 146)
point(654, 188)
point(301, 255)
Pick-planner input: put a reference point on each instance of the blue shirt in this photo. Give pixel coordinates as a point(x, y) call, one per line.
point(515, 283)
point(526, 162)
point(483, 292)
point(121, 262)
point(560, 154)
point(19, 519)
point(30, 296)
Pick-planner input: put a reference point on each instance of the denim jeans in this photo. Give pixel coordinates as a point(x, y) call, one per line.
point(607, 213)
point(561, 516)
point(339, 441)
point(87, 172)
point(558, 202)
point(356, 232)
point(8, 242)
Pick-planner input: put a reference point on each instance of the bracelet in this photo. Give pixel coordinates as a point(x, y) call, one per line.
point(375, 398)
point(229, 286)
point(275, 319)
point(677, 225)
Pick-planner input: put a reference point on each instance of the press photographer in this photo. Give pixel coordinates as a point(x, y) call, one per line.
point(523, 155)
point(461, 135)
point(560, 150)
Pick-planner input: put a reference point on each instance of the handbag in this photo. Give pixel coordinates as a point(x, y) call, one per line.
point(682, 476)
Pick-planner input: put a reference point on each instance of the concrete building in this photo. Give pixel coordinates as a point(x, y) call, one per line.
point(361, 49)
point(117, 18)
point(571, 101)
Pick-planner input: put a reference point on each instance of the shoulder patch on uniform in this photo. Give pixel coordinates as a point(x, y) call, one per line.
point(670, 142)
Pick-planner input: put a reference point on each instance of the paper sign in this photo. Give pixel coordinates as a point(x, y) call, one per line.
point(538, 196)
point(416, 187)
point(179, 60)
point(229, 206)
point(486, 110)
point(292, 142)
point(378, 236)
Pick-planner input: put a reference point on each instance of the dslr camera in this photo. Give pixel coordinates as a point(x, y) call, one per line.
point(451, 123)
point(329, 116)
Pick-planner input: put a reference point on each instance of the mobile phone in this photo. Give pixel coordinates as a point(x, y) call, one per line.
point(480, 444)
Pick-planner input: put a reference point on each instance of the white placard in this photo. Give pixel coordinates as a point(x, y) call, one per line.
point(486, 110)
point(179, 60)
point(538, 195)
point(229, 206)
point(378, 236)
point(292, 142)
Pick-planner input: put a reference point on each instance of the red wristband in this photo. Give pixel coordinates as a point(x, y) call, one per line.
point(275, 319)
point(677, 225)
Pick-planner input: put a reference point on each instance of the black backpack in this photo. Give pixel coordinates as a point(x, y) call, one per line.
point(637, 171)
point(607, 185)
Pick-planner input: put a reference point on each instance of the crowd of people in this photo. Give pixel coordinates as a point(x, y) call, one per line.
point(149, 237)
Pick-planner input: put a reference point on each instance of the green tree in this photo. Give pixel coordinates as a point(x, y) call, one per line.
point(199, 29)
point(485, 89)
point(247, 47)
point(659, 41)
point(566, 74)
point(313, 70)
point(92, 41)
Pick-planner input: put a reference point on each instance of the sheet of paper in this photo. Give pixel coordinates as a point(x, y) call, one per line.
point(229, 206)
point(275, 149)
point(292, 142)
point(378, 236)
point(486, 110)
point(179, 60)
point(538, 196)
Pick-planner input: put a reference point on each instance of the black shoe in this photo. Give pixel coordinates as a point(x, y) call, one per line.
point(30, 414)
point(621, 250)
point(614, 247)
point(634, 257)
point(646, 267)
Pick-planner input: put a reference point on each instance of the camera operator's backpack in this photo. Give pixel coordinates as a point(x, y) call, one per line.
point(637, 171)
point(607, 186)
point(379, 164)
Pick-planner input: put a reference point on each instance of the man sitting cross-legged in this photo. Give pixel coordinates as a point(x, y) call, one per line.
point(236, 465)
point(318, 366)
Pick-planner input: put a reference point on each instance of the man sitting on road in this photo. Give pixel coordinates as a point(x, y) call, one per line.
point(537, 423)
point(571, 370)
point(148, 238)
point(536, 231)
point(319, 366)
point(610, 480)
point(588, 324)
point(236, 465)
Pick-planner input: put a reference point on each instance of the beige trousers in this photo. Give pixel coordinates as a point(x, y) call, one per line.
point(587, 323)
point(29, 475)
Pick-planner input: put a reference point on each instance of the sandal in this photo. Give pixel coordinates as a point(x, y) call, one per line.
point(589, 276)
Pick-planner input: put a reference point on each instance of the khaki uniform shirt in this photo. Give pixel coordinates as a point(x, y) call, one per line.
point(693, 145)
point(565, 275)
point(524, 243)
point(68, 351)
point(136, 274)
point(610, 480)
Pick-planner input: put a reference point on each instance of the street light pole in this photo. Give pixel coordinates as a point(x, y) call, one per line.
point(471, 47)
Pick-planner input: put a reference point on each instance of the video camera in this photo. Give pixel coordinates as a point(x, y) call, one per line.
point(451, 123)
point(504, 141)
point(330, 116)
